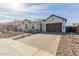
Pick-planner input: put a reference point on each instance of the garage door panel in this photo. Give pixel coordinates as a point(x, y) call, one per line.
point(55, 27)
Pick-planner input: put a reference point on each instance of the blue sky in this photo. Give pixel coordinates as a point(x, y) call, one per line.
point(17, 11)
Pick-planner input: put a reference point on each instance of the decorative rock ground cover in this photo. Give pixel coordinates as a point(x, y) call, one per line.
point(10, 34)
point(68, 45)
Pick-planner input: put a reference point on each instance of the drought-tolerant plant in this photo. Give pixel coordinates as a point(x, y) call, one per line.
point(5, 29)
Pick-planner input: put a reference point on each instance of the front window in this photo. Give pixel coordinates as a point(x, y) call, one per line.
point(33, 26)
point(26, 26)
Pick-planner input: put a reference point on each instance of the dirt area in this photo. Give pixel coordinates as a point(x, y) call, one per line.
point(10, 34)
point(45, 42)
point(68, 45)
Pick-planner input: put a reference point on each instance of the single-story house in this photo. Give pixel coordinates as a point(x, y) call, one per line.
point(52, 24)
point(17, 25)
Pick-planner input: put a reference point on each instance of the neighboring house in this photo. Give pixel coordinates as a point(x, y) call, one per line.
point(52, 24)
point(77, 28)
point(17, 25)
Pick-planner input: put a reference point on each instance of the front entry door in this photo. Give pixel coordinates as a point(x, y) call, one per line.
point(40, 27)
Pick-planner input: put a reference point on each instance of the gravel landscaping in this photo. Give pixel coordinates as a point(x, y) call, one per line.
point(10, 34)
point(68, 45)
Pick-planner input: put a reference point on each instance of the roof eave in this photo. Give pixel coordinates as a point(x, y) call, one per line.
point(58, 17)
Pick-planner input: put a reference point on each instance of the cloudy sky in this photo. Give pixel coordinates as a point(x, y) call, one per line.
point(13, 11)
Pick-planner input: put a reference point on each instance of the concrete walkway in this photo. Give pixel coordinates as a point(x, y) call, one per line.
point(34, 45)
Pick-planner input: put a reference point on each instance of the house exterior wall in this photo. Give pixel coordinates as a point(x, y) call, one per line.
point(54, 20)
point(16, 22)
point(63, 27)
point(43, 26)
point(16, 25)
point(23, 26)
point(36, 26)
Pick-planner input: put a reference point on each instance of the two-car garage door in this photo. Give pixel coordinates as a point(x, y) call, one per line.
point(54, 27)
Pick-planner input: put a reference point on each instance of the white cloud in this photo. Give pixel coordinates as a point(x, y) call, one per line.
point(17, 7)
point(12, 18)
point(11, 10)
point(9, 18)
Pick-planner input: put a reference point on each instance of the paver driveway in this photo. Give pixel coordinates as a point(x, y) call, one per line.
point(44, 42)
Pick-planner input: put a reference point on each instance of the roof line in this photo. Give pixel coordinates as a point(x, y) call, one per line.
point(25, 20)
point(58, 17)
